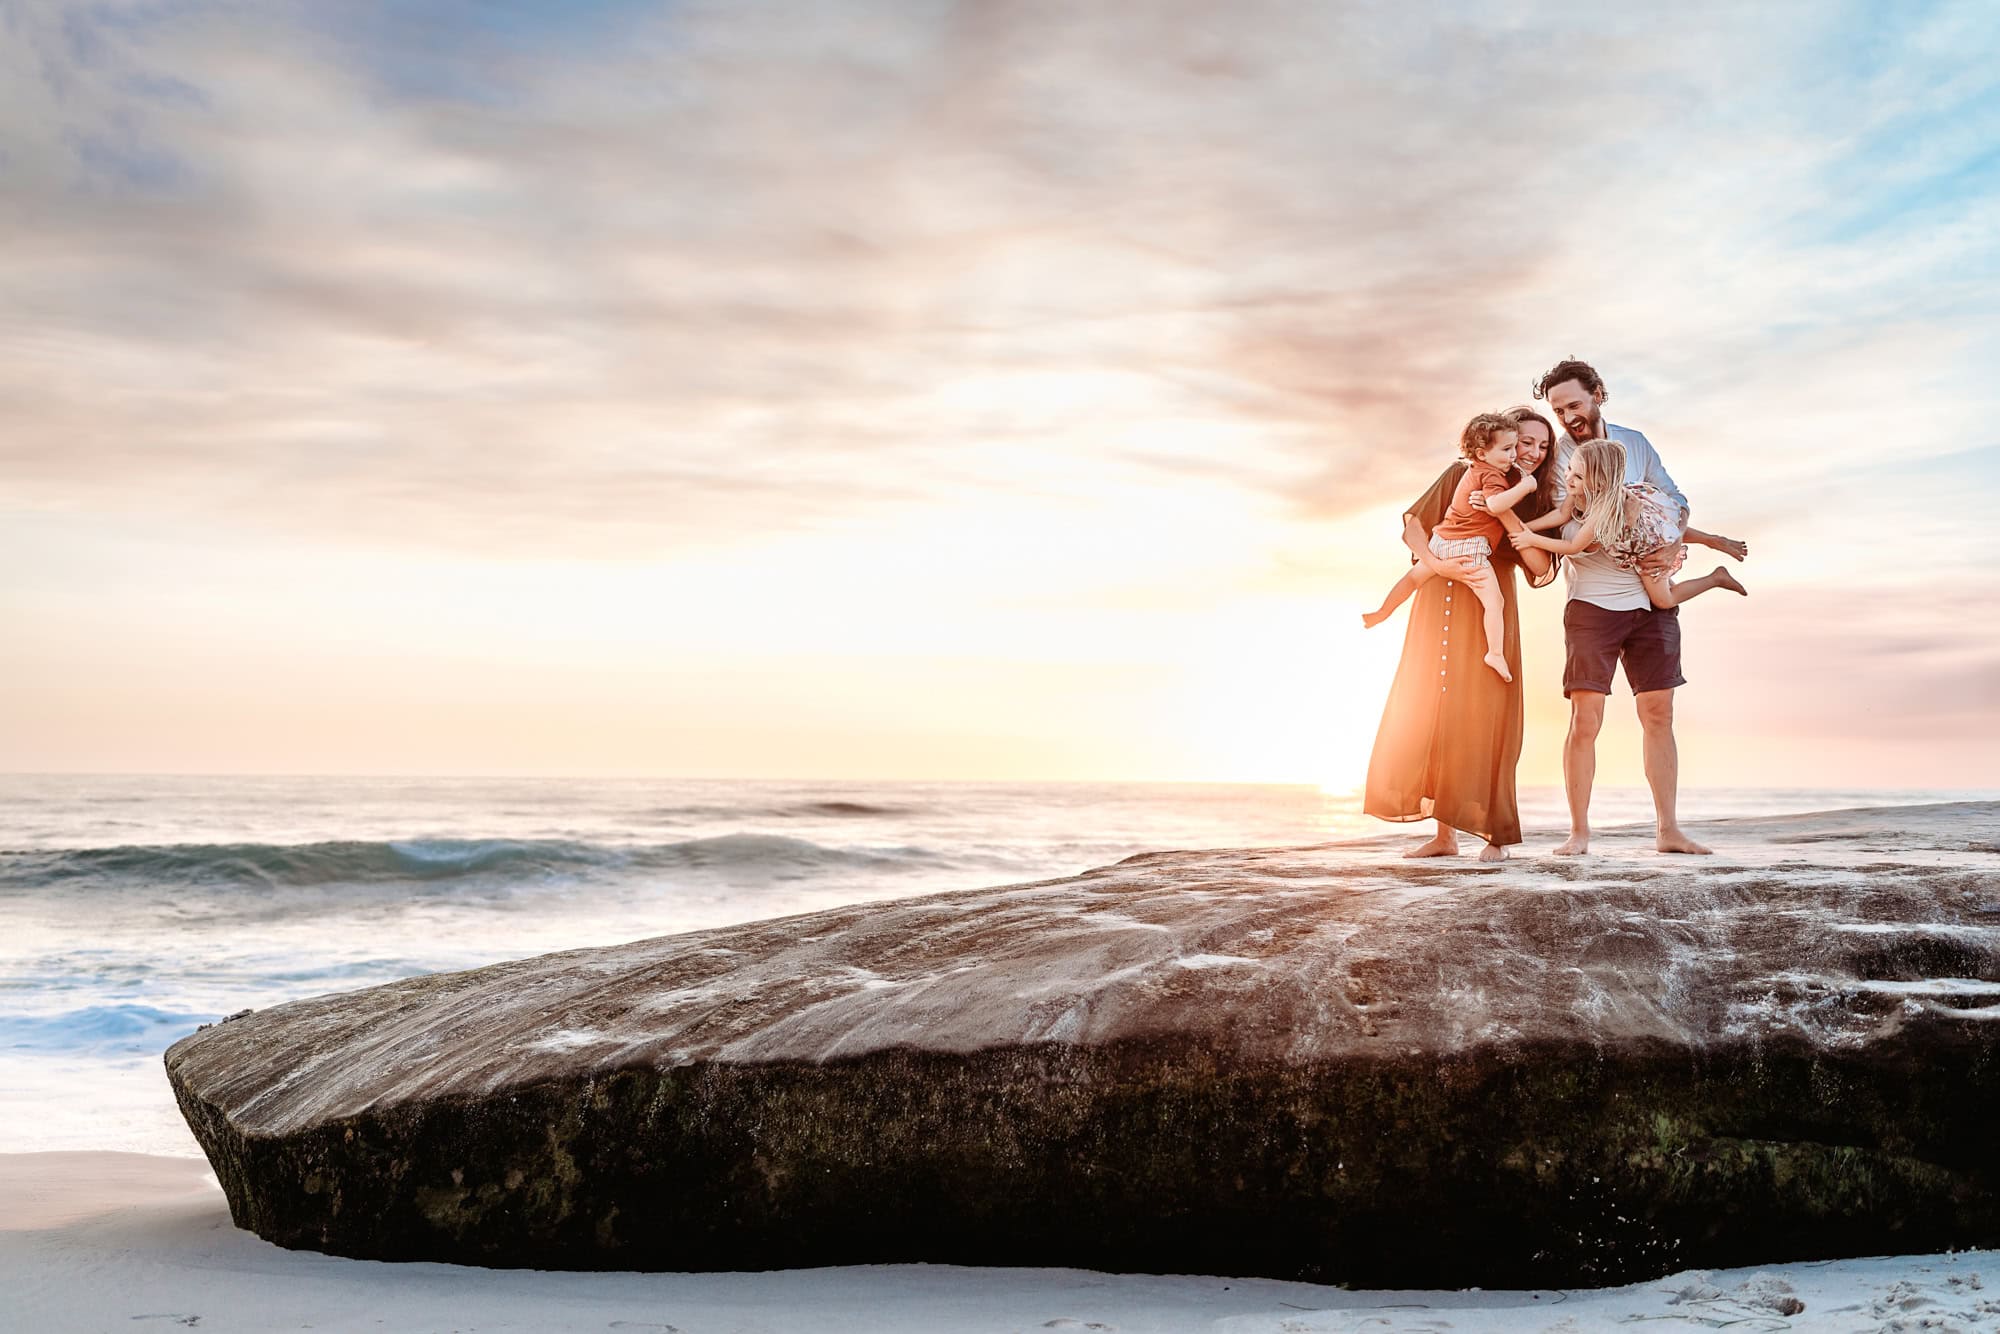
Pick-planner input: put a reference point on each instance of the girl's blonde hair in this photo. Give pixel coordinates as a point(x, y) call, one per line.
point(1608, 506)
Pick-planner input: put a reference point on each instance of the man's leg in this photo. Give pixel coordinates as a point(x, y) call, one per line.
point(1586, 720)
point(1663, 770)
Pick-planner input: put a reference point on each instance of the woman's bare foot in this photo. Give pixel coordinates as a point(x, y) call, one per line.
point(1444, 843)
point(1498, 662)
point(1575, 845)
point(1673, 840)
point(1724, 579)
point(1371, 619)
point(1493, 852)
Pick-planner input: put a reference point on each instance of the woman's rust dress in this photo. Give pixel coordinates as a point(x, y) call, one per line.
point(1451, 731)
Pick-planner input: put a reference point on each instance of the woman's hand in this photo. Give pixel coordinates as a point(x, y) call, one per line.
point(1450, 567)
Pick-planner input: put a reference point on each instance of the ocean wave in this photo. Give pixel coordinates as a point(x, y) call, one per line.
point(404, 861)
point(123, 1029)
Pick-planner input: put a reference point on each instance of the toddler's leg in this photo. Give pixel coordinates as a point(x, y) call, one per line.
point(1668, 594)
point(1398, 595)
point(1488, 588)
point(1728, 546)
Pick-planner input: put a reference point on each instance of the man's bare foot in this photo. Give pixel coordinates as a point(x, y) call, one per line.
point(1498, 662)
point(1371, 619)
point(1575, 845)
point(1673, 840)
point(1442, 844)
point(1493, 852)
point(1724, 579)
point(1734, 548)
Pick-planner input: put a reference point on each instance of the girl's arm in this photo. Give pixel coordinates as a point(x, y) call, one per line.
point(1555, 518)
point(1584, 537)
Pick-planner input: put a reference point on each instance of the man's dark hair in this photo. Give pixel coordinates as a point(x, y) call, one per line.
point(1572, 369)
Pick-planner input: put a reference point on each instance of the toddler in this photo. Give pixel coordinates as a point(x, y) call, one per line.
point(1470, 535)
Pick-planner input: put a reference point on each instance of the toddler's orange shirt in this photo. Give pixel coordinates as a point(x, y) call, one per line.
point(1461, 520)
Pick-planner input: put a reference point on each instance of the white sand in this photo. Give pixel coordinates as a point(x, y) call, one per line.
point(131, 1242)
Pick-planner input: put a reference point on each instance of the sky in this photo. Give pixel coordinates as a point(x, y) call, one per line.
point(981, 391)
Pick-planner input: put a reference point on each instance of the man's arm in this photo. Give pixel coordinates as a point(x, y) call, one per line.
point(1656, 473)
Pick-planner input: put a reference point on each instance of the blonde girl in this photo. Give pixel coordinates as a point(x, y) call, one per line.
point(1636, 524)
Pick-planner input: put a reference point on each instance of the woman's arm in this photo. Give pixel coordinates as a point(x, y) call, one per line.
point(1536, 563)
point(1418, 540)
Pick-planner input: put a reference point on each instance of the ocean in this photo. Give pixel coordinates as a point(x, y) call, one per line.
point(133, 909)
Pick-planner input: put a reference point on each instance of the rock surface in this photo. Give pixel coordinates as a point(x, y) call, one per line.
point(1319, 1062)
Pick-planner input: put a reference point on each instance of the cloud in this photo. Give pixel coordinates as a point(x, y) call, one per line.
point(673, 276)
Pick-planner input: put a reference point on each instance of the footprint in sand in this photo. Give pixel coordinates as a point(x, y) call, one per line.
point(1064, 1322)
point(175, 1316)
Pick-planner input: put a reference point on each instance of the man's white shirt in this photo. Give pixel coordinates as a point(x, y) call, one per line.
point(1592, 576)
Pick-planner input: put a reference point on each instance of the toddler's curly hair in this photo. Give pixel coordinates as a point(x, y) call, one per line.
point(1478, 435)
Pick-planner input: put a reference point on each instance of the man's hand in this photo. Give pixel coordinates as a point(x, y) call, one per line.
point(1662, 562)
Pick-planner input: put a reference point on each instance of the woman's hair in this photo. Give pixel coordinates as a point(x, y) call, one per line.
point(1477, 437)
point(1608, 507)
point(1547, 483)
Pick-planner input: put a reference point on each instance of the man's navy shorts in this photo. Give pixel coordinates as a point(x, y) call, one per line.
point(1647, 641)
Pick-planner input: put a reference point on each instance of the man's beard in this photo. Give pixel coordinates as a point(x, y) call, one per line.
point(1589, 429)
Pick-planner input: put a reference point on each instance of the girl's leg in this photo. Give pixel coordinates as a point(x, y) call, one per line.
point(1488, 588)
point(1398, 595)
point(1670, 594)
point(1728, 546)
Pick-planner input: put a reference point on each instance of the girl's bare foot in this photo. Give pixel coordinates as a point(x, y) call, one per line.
point(1442, 844)
point(1498, 662)
point(1733, 548)
point(1724, 579)
point(1673, 840)
point(1575, 845)
point(1493, 852)
point(1371, 619)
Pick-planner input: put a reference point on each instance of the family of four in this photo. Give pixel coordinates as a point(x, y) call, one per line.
point(1451, 733)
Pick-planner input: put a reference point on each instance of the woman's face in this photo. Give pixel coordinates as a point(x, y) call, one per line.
point(1533, 447)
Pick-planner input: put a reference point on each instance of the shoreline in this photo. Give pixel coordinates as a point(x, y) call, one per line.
point(101, 1240)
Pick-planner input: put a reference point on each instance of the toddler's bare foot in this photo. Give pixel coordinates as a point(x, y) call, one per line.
point(1443, 844)
point(1498, 662)
point(1724, 579)
point(1575, 845)
point(1371, 619)
point(1673, 840)
point(1493, 853)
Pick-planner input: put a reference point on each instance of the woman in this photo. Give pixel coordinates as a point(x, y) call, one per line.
point(1451, 731)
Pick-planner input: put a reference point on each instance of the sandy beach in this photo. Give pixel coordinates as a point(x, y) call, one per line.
point(120, 1241)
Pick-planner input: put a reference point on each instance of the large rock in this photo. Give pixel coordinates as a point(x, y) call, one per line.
point(1320, 1062)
